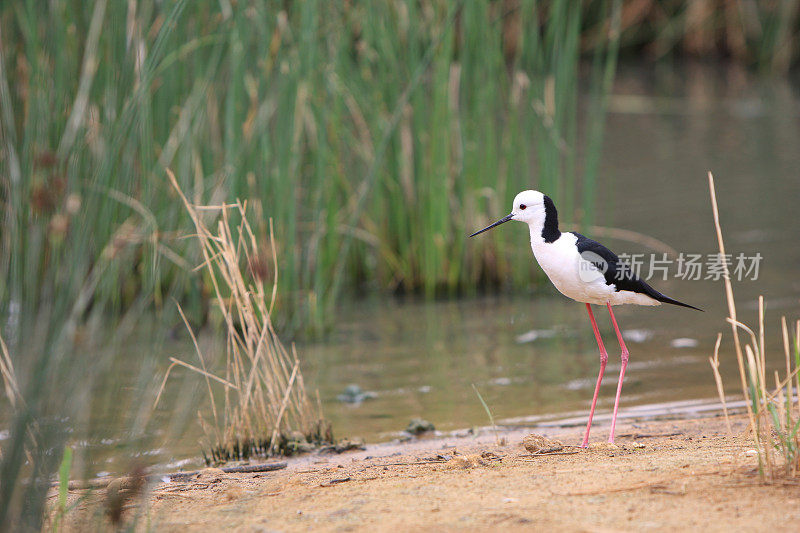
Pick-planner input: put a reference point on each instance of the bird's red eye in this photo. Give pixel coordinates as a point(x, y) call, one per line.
point(522, 206)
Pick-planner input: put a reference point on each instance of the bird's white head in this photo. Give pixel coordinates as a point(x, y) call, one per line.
point(536, 210)
point(529, 207)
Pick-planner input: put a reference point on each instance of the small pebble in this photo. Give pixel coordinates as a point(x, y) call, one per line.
point(466, 461)
point(541, 444)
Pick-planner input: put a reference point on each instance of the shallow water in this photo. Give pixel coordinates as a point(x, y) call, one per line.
point(534, 353)
point(526, 356)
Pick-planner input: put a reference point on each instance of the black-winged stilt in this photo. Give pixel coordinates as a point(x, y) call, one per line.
point(585, 271)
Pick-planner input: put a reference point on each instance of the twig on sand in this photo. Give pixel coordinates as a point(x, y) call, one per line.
point(379, 465)
point(242, 469)
point(333, 482)
point(649, 484)
point(650, 435)
point(178, 476)
point(174, 493)
point(559, 452)
point(411, 463)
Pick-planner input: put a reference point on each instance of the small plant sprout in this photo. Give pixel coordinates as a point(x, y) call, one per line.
point(489, 414)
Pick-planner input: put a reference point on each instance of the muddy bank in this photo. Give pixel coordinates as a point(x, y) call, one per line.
point(662, 475)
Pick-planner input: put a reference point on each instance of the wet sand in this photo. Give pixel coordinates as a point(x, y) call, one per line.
point(663, 475)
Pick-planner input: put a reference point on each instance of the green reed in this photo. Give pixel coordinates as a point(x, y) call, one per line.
point(376, 135)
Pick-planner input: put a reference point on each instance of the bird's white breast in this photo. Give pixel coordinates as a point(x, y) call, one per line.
point(577, 278)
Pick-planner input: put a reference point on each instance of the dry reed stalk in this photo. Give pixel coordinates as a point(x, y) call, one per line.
point(756, 373)
point(731, 304)
point(762, 352)
point(796, 463)
point(11, 385)
point(797, 363)
point(774, 420)
point(9, 375)
point(714, 361)
point(264, 397)
point(786, 350)
point(780, 401)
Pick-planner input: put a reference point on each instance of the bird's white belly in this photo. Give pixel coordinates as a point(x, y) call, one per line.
point(579, 279)
point(570, 274)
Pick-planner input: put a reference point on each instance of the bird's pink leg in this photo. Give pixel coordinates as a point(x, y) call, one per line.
point(603, 361)
point(624, 358)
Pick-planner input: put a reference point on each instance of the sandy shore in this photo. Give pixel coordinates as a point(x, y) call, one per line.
point(663, 475)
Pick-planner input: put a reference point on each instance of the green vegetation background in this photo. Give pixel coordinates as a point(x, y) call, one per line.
point(375, 135)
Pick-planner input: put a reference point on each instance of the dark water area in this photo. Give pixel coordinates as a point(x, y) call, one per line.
point(533, 352)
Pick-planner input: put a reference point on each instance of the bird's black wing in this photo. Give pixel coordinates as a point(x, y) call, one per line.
point(618, 273)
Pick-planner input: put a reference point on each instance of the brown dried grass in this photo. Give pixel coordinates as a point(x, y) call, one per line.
point(264, 398)
point(773, 413)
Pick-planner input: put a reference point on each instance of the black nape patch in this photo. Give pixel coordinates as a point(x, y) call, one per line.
point(550, 230)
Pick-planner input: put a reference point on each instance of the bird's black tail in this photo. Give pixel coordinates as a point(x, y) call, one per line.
point(667, 300)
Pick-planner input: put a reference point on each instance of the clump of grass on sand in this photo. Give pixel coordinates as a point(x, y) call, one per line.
point(774, 413)
point(265, 409)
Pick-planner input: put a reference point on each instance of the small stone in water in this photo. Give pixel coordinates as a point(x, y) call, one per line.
point(353, 394)
point(418, 426)
point(344, 445)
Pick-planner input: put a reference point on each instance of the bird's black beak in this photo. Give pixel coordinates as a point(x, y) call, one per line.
point(490, 226)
